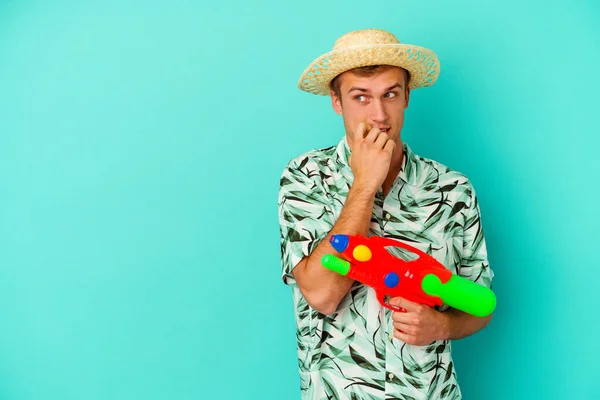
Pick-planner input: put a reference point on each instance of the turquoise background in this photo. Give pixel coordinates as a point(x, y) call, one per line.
point(141, 144)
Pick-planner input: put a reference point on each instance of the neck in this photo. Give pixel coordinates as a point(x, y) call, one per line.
point(395, 167)
point(397, 157)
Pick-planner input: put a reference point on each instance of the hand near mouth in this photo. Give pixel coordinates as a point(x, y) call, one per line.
point(372, 152)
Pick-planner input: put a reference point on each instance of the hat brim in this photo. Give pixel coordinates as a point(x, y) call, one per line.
point(422, 64)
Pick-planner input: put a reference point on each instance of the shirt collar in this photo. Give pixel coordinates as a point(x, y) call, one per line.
point(406, 174)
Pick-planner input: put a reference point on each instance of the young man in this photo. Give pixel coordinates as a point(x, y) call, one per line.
point(372, 184)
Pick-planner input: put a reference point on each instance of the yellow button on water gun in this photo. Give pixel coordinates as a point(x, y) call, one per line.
point(362, 253)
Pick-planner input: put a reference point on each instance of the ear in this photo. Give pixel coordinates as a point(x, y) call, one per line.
point(336, 103)
point(407, 96)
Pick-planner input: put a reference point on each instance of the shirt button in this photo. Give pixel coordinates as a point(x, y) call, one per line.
point(391, 336)
point(391, 376)
point(387, 216)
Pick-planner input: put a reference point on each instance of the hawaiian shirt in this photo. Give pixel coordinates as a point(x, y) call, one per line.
point(352, 353)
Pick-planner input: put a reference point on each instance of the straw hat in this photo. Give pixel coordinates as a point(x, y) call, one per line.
point(370, 47)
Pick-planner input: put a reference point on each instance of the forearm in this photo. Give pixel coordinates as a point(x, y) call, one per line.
point(459, 324)
point(323, 288)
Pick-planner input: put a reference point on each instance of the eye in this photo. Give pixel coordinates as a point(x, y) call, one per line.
point(391, 95)
point(361, 98)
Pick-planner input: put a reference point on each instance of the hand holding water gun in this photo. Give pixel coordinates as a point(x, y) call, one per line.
point(423, 280)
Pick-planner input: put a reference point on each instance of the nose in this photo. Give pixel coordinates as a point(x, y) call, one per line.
point(378, 112)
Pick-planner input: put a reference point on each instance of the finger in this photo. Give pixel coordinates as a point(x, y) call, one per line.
point(362, 129)
point(358, 134)
point(406, 338)
point(402, 317)
point(404, 303)
point(372, 135)
point(382, 139)
point(408, 319)
point(405, 328)
point(390, 146)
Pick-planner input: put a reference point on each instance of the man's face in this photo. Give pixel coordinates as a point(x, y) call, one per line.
point(379, 100)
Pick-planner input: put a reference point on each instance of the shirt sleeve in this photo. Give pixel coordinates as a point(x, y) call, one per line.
point(475, 265)
point(305, 215)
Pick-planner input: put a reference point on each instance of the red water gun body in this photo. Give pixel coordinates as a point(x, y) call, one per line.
point(372, 264)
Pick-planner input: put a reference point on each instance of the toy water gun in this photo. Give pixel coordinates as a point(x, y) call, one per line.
point(422, 280)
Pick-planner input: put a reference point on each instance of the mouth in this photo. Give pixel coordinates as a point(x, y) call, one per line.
point(385, 130)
